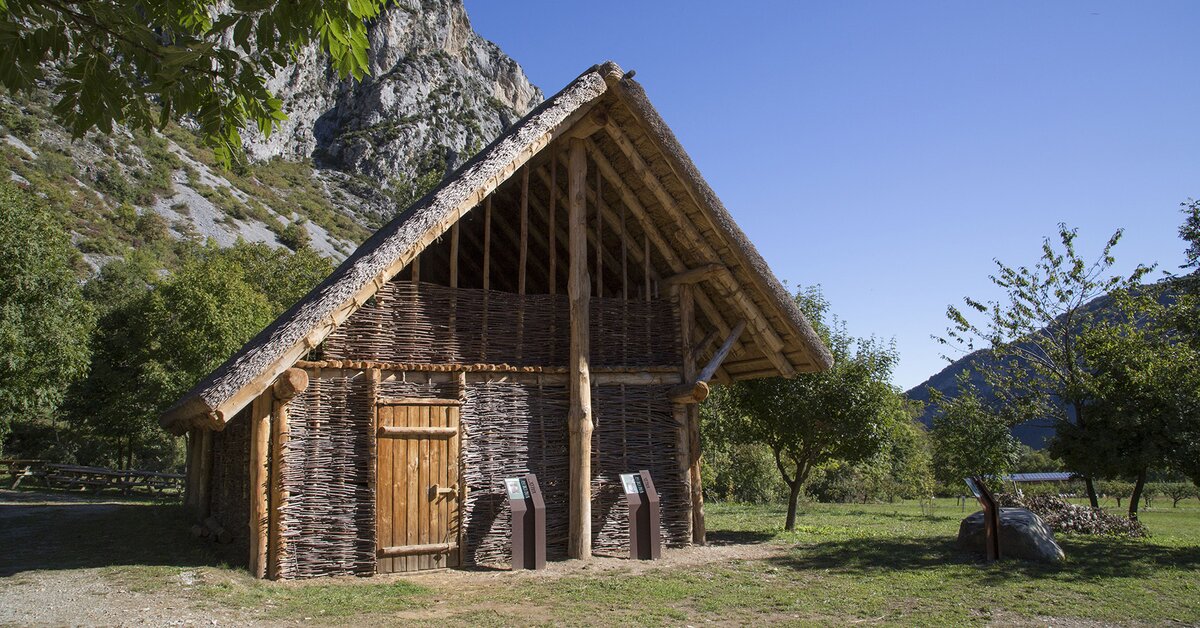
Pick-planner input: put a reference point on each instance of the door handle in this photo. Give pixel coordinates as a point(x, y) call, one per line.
point(436, 491)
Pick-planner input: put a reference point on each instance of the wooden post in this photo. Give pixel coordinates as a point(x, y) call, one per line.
point(685, 298)
point(279, 495)
point(553, 229)
point(646, 264)
point(524, 230)
point(579, 420)
point(191, 484)
point(454, 255)
point(260, 435)
point(204, 479)
point(599, 241)
point(291, 383)
point(487, 243)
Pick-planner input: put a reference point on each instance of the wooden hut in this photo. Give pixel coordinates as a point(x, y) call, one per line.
point(557, 306)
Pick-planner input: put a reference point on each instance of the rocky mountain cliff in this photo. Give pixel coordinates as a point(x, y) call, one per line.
point(350, 155)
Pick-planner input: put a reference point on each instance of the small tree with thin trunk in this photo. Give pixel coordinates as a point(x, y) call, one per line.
point(1038, 370)
point(844, 413)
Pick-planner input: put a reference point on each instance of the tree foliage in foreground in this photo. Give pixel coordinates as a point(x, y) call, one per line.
point(1033, 333)
point(44, 322)
point(146, 64)
point(844, 413)
point(158, 336)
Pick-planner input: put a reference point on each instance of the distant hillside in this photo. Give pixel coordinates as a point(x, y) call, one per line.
point(1033, 433)
point(350, 155)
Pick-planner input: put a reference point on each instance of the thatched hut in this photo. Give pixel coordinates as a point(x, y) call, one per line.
point(557, 306)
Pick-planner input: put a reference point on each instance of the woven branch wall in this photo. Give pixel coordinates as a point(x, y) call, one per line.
point(229, 500)
point(511, 429)
point(424, 322)
point(635, 430)
point(329, 516)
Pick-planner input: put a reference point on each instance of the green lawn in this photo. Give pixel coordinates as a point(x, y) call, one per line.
point(879, 563)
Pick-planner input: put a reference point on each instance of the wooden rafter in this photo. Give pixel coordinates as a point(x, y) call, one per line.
point(764, 334)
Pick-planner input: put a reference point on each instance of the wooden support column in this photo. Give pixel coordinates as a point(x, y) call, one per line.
point(685, 299)
point(579, 420)
point(191, 481)
point(553, 228)
point(454, 256)
point(524, 230)
point(204, 479)
point(293, 382)
point(260, 438)
point(487, 244)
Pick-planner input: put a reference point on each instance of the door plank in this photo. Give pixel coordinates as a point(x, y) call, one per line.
point(452, 467)
point(413, 448)
point(400, 488)
point(437, 476)
point(383, 491)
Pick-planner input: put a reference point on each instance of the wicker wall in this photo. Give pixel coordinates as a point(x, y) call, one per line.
point(329, 517)
point(428, 323)
point(511, 429)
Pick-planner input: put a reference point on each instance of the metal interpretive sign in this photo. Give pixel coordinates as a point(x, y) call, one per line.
point(645, 538)
point(528, 510)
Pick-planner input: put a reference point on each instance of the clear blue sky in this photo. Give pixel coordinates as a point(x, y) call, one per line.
point(889, 151)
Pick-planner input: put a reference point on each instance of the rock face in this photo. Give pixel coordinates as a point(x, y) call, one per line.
point(1022, 535)
point(436, 93)
point(349, 157)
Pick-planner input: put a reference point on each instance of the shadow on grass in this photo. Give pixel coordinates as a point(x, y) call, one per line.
point(95, 533)
point(1087, 559)
point(737, 537)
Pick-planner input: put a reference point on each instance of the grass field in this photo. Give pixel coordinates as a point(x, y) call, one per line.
point(879, 563)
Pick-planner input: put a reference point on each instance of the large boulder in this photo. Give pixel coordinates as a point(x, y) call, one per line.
point(1022, 535)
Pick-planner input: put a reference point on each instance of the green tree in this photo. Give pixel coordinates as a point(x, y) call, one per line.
point(44, 322)
point(970, 438)
point(1145, 394)
point(1038, 369)
point(844, 413)
point(146, 64)
point(158, 335)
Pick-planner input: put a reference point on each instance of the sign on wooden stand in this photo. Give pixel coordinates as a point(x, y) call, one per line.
point(991, 516)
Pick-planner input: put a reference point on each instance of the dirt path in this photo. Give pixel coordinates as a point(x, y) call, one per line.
point(67, 559)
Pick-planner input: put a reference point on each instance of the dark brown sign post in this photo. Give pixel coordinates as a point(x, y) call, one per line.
point(645, 539)
point(991, 516)
point(528, 522)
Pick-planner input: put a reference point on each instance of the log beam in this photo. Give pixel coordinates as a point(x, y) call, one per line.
point(695, 275)
point(579, 421)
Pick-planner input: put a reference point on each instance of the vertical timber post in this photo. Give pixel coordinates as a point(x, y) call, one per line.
point(260, 436)
point(579, 420)
point(686, 301)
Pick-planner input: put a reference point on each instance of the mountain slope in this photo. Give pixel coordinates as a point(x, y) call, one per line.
point(1033, 433)
point(349, 157)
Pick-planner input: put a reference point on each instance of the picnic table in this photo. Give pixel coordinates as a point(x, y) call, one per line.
point(78, 477)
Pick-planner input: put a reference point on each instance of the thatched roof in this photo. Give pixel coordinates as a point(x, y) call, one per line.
point(220, 395)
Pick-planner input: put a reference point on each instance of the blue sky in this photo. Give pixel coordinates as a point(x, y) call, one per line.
point(889, 151)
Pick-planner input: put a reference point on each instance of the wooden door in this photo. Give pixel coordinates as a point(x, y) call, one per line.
point(417, 493)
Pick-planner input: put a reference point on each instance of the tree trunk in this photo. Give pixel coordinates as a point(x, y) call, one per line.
point(1091, 491)
point(793, 499)
point(1137, 495)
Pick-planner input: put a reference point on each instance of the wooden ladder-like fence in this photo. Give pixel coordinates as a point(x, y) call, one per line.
point(95, 479)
